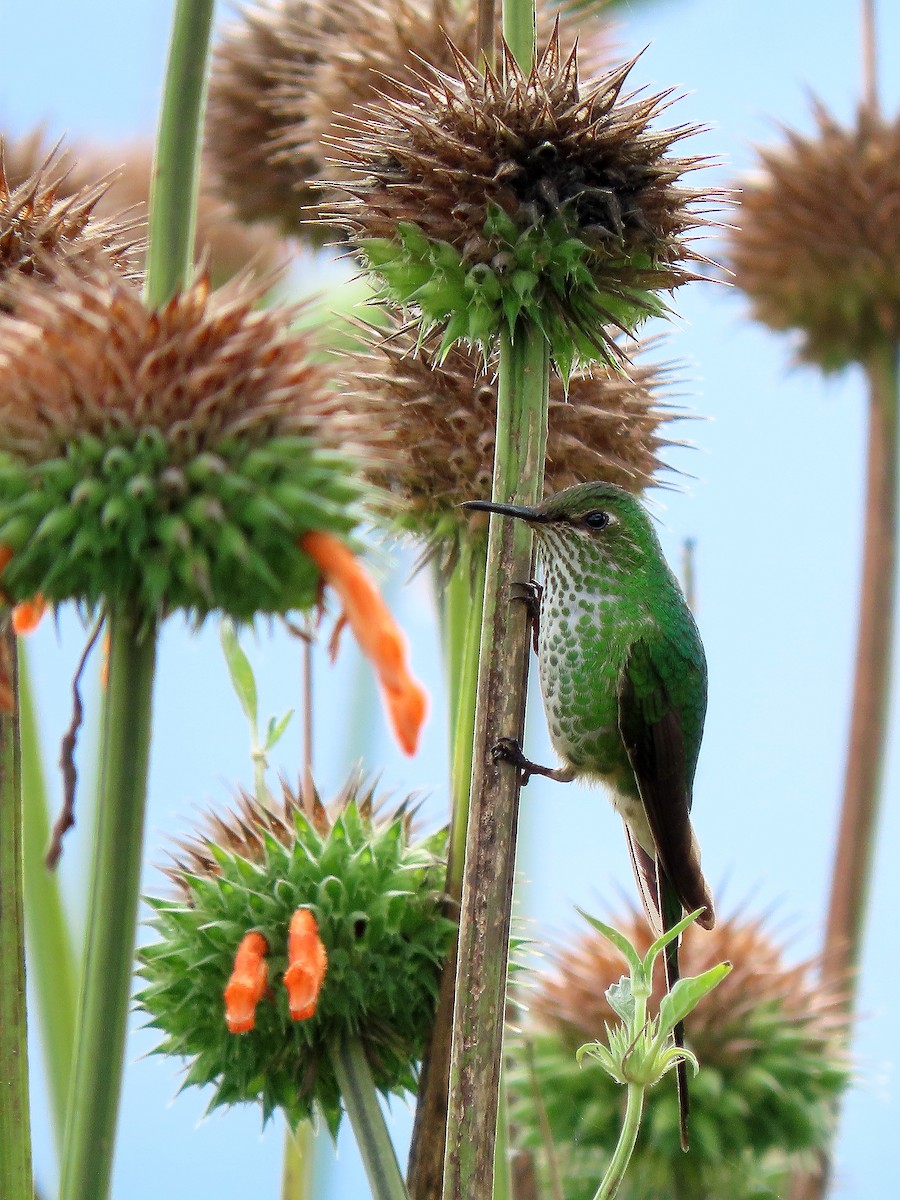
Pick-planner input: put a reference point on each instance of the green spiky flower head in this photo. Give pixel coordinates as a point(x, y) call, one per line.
point(164, 460)
point(485, 200)
point(376, 895)
point(770, 1042)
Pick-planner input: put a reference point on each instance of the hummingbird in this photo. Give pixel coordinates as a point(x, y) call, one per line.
point(623, 680)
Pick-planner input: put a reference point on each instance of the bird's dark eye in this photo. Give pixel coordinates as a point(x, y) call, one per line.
point(596, 520)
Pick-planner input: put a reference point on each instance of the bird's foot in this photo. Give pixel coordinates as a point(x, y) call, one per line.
point(529, 593)
point(508, 750)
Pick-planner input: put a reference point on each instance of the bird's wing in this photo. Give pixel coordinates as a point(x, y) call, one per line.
point(651, 729)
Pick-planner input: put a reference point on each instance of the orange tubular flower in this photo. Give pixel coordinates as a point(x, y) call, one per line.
point(247, 984)
point(375, 630)
point(27, 616)
point(307, 964)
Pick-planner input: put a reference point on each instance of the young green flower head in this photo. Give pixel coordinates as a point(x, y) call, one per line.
point(164, 459)
point(770, 1042)
point(374, 896)
point(817, 243)
point(433, 419)
point(486, 199)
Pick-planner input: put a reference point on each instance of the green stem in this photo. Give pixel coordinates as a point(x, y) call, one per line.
point(502, 1165)
point(15, 1119)
point(360, 1100)
point(176, 168)
point(627, 1138)
point(297, 1170)
point(52, 964)
point(466, 687)
point(634, 1107)
point(518, 30)
point(491, 841)
point(112, 910)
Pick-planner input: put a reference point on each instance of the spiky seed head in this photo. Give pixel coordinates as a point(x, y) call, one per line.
point(434, 421)
point(287, 70)
point(227, 244)
point(486, 199)
point(244, 123)
point(164, 459)
point(47, 226)
point(817, 248)
point(376, 893)
point(370, 50)
point(770, 1040)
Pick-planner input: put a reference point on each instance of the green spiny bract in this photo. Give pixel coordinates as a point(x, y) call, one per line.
point(166, 460)
point(770, 1045)
point(377, 898)
point(488, 200)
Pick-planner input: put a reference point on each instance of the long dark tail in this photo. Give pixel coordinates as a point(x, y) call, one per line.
point(671, 913)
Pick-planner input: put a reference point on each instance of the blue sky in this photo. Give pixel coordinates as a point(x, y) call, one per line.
point(775, 507)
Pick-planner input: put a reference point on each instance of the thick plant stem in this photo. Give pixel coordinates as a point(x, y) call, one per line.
point(615, 1172)
point(297, 1168)
point(176, 167)
point(493, 813)
point(52, 965)
point(360, 1101)
point(464, 713)
point(15, 1121)
point(462, 619)
point(871, 691)
point(869, 716)
point(112, 910)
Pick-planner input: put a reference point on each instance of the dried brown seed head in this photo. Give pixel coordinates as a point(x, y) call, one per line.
point(433, 420)
point(46, 225)
point(229, 245)
point(243, 121)
point(289, 70)
point(818, 244)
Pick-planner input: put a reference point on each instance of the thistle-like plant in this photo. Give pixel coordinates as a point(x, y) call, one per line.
point(163, 459)
point(376, 895)
point(489, 200)
point(769, 1041)
point(432, 418)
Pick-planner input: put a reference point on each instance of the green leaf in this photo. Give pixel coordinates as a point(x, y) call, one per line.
point(274, 729)
point(240, 671)
point(621, 999)
point(669, 936)
point(686, 995)
point(620, 942)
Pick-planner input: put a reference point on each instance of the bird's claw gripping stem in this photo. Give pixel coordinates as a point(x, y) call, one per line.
point(529, 592)
point(507, 749)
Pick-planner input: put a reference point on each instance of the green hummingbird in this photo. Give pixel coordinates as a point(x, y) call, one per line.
point(623, 678)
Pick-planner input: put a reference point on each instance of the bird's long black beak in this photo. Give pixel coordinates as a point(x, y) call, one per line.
point(522, 511)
